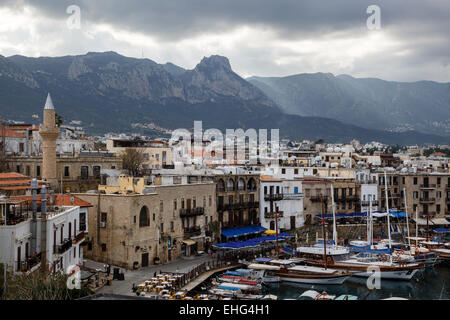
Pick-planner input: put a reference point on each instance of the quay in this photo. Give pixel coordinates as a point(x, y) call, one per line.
point(204, 276)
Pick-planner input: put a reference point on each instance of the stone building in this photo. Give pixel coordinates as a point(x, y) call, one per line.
point(237, 199)
point(429, 193)
point(157, 154)
point(78, 174)
point(166, 221)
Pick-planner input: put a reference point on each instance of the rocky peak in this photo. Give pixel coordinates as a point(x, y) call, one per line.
point(215, 61)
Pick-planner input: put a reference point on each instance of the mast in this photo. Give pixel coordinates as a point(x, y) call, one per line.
point(324, 236)
point(276, 231)
point(334, 216)
point(417, 231)
point(370, 234)
point(387, 209)
point(407, 222)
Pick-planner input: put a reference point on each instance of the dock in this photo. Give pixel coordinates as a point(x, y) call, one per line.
point(194, 283)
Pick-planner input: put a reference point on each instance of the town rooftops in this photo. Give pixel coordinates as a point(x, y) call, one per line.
point(60, 200)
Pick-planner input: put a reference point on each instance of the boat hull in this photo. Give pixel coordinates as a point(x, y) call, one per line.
point(334, 280)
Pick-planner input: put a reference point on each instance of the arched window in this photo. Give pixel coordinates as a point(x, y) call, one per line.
point(230, 185)
point(241, 184)
point(251, 184)
point(144, 218)
point(220, 185)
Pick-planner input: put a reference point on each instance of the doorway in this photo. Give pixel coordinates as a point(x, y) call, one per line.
point(144, 262)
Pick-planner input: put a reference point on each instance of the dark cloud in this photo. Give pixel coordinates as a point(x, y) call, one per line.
point(420, 27)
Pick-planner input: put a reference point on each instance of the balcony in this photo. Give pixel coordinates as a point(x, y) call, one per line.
point(318, 198)
point(237, 206)
point(271, 215)
point(427, 200)
point(192, 212)
point(347, 199)
point(366, 203)
point(192, 231)
point(60, 249)
point(273, 197)
point(78, 238)
point(428, 186)
point(29, 263)
point(425, 214)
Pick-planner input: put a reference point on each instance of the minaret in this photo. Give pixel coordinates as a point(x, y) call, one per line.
point(49, 133)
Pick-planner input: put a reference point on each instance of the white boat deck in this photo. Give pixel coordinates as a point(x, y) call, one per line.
point(313, 269)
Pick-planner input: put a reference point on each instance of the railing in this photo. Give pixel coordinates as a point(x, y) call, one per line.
point(428, 186)
point(429, 214)
point(60, 249)
point(192, 230)
point(78, 237)
point(366, 203)
point(318, 198)
point(273, 197)
point(271, 215)
point(192, 212)
point(28, 264)
point(350, 198)
point(427, 200)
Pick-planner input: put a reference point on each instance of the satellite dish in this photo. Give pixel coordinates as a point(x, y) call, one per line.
point(72, 199)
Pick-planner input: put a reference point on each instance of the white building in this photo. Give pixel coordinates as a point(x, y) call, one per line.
point(59, 233)
point(282, 199)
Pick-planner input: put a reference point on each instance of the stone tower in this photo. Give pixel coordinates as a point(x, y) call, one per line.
point(49, 133)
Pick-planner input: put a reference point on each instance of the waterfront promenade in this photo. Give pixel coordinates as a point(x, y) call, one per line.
point(124, 287)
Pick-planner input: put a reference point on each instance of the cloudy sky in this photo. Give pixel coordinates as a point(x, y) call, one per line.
point(260, 37)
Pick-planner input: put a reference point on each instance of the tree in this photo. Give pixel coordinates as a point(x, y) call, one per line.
point(58, 120)
point(132, 160)
point(38, 285)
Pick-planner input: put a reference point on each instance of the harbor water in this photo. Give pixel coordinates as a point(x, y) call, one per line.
point(430, 284)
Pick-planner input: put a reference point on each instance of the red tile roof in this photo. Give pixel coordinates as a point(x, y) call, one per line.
point(60, 200)
point(11, 175)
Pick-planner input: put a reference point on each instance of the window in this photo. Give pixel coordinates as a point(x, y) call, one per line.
point(38, 171)
point(103, 247)
point(415, 180)
point(283, 171)
point(161, 206)
point(66, 171)
point(204, 202)
point(134, 219)
point(175, 202)
point(84, 172)
point(295, 171)
point(162, 227)
point(182, 203)
point(210, 201)
point(171, 226)
point(438, 194)
point(265, 189)
point(144, 219)
point(96, 171)
point(153, 217)
point(28, 171)
point(438, 208)
point(103, 216)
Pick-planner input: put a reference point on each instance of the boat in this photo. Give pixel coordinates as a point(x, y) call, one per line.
point(314, 295)
point(312, 275)
point(346, 297)
point(264, 272)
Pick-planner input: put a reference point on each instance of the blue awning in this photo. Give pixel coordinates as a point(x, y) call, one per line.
point(242, 231)
point(441, 230)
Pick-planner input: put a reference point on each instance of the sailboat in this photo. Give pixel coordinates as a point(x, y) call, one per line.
point(362, 263)
point(291, 272)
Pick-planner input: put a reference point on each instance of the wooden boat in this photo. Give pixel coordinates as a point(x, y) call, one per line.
point(312, 275)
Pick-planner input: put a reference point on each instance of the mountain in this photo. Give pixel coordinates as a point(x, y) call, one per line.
point(367, 102)
point(109, 92)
